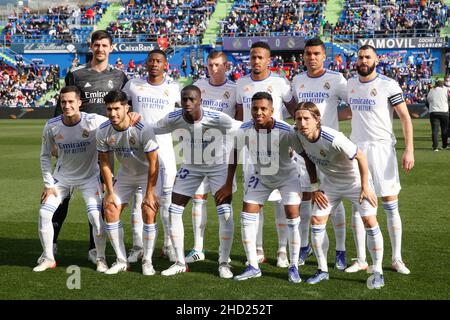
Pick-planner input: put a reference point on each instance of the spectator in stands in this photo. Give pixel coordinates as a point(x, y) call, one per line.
point(90, 15)
point(438, 105)
point(184, 66)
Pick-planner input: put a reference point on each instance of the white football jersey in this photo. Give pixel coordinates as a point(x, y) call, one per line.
point(130, 147)
point(333, 153)
point(154, 102)
point(278, 87)
point(268, 153)
point(203, 143)
point(77, 151)
point(218, 98)
point(372, 108)
point(324, 91)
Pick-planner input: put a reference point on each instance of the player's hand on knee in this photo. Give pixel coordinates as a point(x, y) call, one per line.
point(370, 196)
point(48, 192)
point(150, 202)
point(223, 193)
point(318, 197)
point(110, 199)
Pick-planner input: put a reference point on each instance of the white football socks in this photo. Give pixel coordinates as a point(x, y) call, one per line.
point(338, 220)
point(294, 240)
point(199, 219)
point(226, 231)
point(249, 226)
point(136, 219)
point(177, 231)
point(115, 235)
point(320, 242)
point(305, 221)
point(394, 224)
point(375, 246)
point(280, 221)
point(149, 234)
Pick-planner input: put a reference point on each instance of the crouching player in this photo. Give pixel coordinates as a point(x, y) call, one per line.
point(135, 148)
point(268, 141)
point(73, 134)
point(203, 136)
point(345, 175)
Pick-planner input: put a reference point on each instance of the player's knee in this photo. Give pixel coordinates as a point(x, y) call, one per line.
point(370, 221)
point(111, 214)
point(316, 220)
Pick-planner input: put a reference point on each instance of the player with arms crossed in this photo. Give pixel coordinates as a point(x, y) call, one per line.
point(202, 136)
point(325, 88)
point(153, 98)
point(136, 150)
point(262, 79)
point(218, 94)
point(268, 141)
point(73, 134)
point(345, 174)
point(373, 99)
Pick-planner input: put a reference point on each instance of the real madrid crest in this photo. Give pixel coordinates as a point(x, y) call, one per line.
point(327, 86)
point(226, 95)
point(374, 92)
point(110, 84)
point(323, 153)
point(85, 133)
point(166, 93)
point(269, 89)
point(132, 140)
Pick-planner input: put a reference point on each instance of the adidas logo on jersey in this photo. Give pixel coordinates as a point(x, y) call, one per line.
point(87, 85)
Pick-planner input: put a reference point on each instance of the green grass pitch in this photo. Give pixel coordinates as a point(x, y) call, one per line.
point(424, 208)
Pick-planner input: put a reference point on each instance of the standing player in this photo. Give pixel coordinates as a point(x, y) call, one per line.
point(261, 79)
point(218, 94)
point(202, 135)
point(325, 88)
point(268, 141)
point(135, 148)
point(345, 174)
point(73, 134)
point(94, 80)
point(154, 98)
point(373, 99)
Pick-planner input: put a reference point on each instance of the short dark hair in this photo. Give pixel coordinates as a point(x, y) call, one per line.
point(262, 95)
point(261, 44)
point(101, 34)
point(313, 42)
point(192, 87)
point(367, 47)
point(116, 96)
point(158, 51)
point(68, 89)
point(439, 83)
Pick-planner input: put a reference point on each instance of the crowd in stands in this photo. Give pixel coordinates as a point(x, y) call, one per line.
point(59, 23)
point(25, 85)
point(388, 18)
point(270, 17)
point(177, 21)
